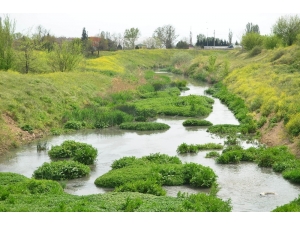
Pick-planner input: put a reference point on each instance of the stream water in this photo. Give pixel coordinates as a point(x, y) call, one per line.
point(242, 183)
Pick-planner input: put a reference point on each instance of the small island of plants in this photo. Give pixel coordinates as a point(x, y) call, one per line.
point(143, 126)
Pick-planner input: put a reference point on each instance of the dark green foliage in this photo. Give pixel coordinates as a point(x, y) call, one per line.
point(212, 154)
point(185, 148)
point(144, 126)
point(27, 128)
point(147, 187)
point(194, 122)
point(61, 170)
point(75, 125)
point(269, 156)
point(255, 51)
point(80, 152)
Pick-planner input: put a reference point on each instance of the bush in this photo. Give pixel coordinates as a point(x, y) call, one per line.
point(61, 170)
point(198, 175)
point(27, 128)
point(250, 40)
point(144, 126)
point(123, 162)
point(75, 125)
point(255, 51)
point(194, 122)
point(230, 157)
point(80, 152)
point(293, 126)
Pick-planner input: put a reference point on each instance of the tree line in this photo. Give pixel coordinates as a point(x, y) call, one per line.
point(19, 51)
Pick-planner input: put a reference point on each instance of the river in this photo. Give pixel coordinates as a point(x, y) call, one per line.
point(242, 183)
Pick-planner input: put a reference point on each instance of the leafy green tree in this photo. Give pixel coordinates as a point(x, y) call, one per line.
point(166, 35)
point(182, 45)
point(65, 56)
point(287, 28)
point(250, 40)
point(7, 29)
point(26, 47)
point(130, 37)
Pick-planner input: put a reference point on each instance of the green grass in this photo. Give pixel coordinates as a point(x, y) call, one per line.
point(185, 148)
point(194, 122)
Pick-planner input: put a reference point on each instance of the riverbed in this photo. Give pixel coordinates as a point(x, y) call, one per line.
point(242, 183)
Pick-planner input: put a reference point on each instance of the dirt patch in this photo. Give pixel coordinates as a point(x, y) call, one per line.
point(276, 135)
point(14, 135)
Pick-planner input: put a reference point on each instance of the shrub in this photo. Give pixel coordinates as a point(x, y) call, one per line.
point(293, 126)
point(230, 157)
point(162, 159)
point(224, 129)
point(75, 125)
point(61, 170)
point(194, 122)
point(144, 126)
point(250, 40)
point(27, 128)
point(198, 175)
point(80, 152)
point(255, 51)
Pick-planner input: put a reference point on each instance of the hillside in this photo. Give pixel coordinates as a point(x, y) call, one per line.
point(34, 105)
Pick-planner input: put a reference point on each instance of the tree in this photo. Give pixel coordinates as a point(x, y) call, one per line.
point(182, 45)
point(26, 46)
point(166, 35)
point(252, 28)
point(230, 37)
point(130, 37)
point(84, 40)
point(7, 29)
point(250, 40)
point(66, 55)
point(201, 40)
point(287, 28)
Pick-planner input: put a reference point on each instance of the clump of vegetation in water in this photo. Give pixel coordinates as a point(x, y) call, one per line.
point(19, 193)
point(212, 154)
point(80, 152)
point(61, 170)
point(142, 126)
point(185, 148)
point(189, 106)
point(157, 169)
point(195, 122)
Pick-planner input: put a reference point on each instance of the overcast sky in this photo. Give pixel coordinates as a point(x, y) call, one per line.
point(67, 18)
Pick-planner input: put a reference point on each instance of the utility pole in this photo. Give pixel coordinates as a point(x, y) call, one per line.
point(214, 38)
